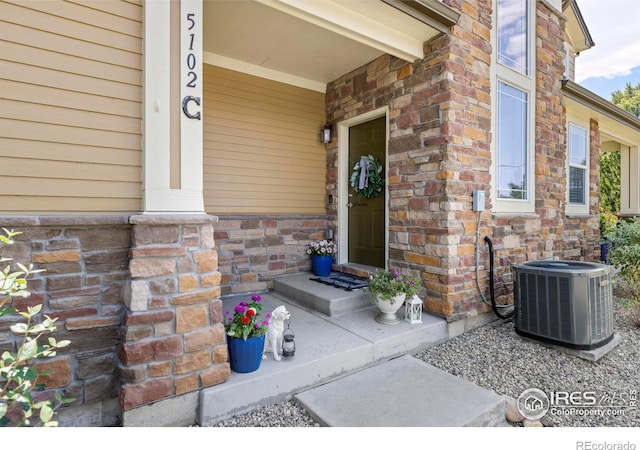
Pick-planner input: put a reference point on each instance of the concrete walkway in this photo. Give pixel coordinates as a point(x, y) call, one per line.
point(349, 370)
point(403, 392)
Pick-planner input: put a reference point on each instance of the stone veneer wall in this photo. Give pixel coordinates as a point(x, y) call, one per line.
point(173, 339)
point(252, 250)
point(139, 299)
point(549, 233)
point(439, 151)
point(86, 265)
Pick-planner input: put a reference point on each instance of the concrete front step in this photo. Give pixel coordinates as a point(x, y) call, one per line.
point(351, 371)
point(319, 297)
point(403, 392)
point(327, 348)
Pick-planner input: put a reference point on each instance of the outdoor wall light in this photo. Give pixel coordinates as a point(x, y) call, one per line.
point(413, 310)
point(325, 136)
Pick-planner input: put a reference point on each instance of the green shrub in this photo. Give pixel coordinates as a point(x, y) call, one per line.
point(610, 182)
point(18, 376)
point(608, 223)
point(625, 250)
point(625, 256)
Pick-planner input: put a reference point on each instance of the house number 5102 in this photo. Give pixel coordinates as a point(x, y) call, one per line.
point(190, 62)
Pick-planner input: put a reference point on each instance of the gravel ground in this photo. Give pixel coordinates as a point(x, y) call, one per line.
point(494, 357)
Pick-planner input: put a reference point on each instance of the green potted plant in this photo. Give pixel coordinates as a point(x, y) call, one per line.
point(322, 253)
point(246, 335)
point(389, 289)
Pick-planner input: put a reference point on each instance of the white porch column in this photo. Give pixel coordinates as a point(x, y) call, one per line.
point(172, 125)
point(629, 180)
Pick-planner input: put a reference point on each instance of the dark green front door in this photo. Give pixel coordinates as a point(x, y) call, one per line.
point(367, 215)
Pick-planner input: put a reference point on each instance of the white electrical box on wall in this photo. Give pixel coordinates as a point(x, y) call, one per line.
point(478, 200)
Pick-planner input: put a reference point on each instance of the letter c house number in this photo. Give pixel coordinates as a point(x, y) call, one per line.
point(190, 67)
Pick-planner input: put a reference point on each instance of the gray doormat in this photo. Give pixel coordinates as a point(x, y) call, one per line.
point(343, 281)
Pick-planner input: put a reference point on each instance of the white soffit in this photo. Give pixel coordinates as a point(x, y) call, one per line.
point(577, 30)
point(308, 42)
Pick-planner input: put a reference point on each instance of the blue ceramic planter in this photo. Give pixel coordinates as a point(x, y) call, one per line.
point(321, 265)
point(245, 356)
point(604, 251)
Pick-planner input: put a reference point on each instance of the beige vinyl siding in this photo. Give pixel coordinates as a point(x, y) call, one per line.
point(71, 106)
point(570, 62)
point(262, 149)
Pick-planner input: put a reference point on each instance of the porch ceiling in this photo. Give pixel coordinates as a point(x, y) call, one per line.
point(311, 42)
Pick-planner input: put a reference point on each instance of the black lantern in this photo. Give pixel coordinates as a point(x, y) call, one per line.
point(325, 135)
point(288, 343)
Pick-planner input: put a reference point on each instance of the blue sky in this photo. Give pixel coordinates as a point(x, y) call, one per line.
point(614, 26)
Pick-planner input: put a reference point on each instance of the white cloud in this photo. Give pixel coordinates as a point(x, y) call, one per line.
point(615, 28)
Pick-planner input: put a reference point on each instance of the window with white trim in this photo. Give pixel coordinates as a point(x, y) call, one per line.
point(512, 143)
point(578, 170)
point(513, 85)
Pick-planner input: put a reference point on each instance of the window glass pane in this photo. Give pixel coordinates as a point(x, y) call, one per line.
point(577, 145)
point(576, 185)
point(578, 151)
point(512, 142)
point(513, 35)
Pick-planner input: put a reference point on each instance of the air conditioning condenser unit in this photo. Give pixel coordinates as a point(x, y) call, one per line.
point(569, 303)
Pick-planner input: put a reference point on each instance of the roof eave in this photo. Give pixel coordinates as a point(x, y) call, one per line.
point(586, 97)
point(431, 12)
point(588, 40)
